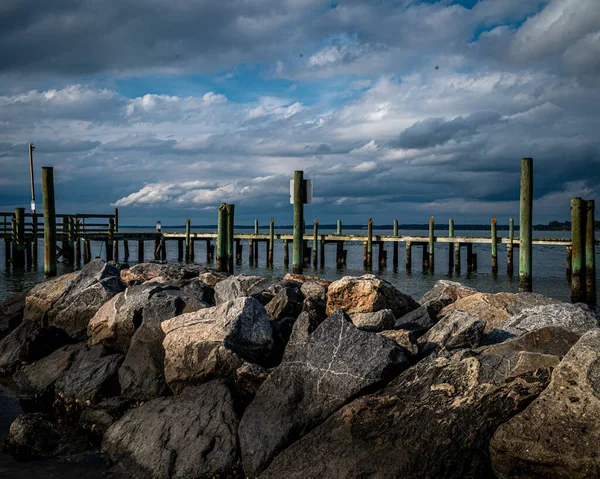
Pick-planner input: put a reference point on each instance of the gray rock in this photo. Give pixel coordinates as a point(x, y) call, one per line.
point(91, 378)
point(241, 286)
point(142, 374)
point(94, 285)
point(458, 330)
point(171, 273)
point(312, 315)
point(195, 288)
point(314, 290)
point(419, 321)
point(42, 297)
point(282, 330)
point(287, 303)
point(250, 376)
point(195, 342)
point(443, 293)
point(11, 313)
point(27, 343)
point(378, 321)
point(97, 419)
point(435, 420)
point(577, 318)
point(367, 294)
point(404, 338)
point(211, 278)
point(190, 435)
point(35, 436)
point(558, 435)
point(341, 362)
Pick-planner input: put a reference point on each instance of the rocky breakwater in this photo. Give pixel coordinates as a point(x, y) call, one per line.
point(176, 371)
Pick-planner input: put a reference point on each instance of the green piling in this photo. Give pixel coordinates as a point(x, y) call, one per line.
point(525, 226)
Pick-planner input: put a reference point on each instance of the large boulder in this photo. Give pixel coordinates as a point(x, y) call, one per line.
point(314, 289)
point(312, 315)
point(495, 308)
point(367, 294)
point(418, 321)
point(377, 321)
point(458, 330)
point(240, 326)
point(35, 436)
point(340, 363)
point(577, 318)
point(27, 343)
point(170, 273)
point(42, 297)
point(443, 293)
point(11, 313)
point(434, 420)
point(404, 338)
point(142, 374)
point(94, 285)
point(287, 303)
point(190, 435)
point(235, 287)
point(558, 435)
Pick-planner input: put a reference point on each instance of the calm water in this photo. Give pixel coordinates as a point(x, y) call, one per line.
point(548, 264)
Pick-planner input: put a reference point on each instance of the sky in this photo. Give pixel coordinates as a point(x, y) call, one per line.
point(395, 109)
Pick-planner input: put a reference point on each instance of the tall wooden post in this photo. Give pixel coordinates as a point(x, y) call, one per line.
point(578, 250)
point(109, 242)
point(157, 244)
point(457, 258)
point(230, 240)
point(255, 226)
point(431, 245)
point(395, 247)
point(251, 252)
point(509, 247)
point(569, 262)
point(408, 256)
point(64, 244)
point(49, 221)
point(187, 239)
point(525, 226)
point(34, 238)
point(87, 252)
point(425, 257)
point(494, 247)
point(469, 257)
point(238, 251)
point(77, 242)
point(315, 256)
point(271, 240)
point(339, 247)
point(193, 250)
point(180, 242)
point(19, 239)
point(322, 251)
point(126, 251)
point(590, 253)
point(370, 243)
point(450, 246)
point(222, 238)
point(72, 239)
point(298, 256)
point(286, 254)
point(140, 251)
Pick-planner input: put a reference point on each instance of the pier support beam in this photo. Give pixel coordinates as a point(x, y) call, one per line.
point(19, 239)
point(590, 253)
point(140, 251)
point(369, 259)
point(469, 258)
point(525, 226)
point(109, 241)
point(188, 241)
point(578, 250)
point(457, 258)
point(222, 238)
point(49, 221)
point(451, 246)
point(509, 248)
point(315, 257)
point(494, 247)
point(271, 242)
point(395, 246)
point(408, 256)
point(569, 261)
point(431, 245)
point(286, 253)
point(298, 256)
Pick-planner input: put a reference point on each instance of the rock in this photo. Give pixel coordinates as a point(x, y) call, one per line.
point(300, 278)
point(241, 286)
point(287, 303)
point(36, 381)
point(435, 420)
point(42, 297)
point(404, 338)
point(378, 321)
point(91, 378)
point(282, 330)
point(314, 289)
point(171, 273)
point(495, 308)
point(458, 330)
point(11, 313)
point(312, 315)
point(577, 318)
point(190, 435)
point(341, 362)
point(197, 289)
point(94, 285)
point(35, 436)
point(419, 321)
point(558, 435)
point(367, 294)
point(443, 293)
point(211, 278)
point(250, 376)
point(27, 343)
point(142, 374)
point(241, 326)
point(100, 417)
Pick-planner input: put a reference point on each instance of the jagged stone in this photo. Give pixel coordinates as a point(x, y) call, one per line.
point(42, 297)
point(171, 273)
point(419, 321)
point(443, 293)
point(190, 435)
point(314, 289)
point(367, 294)
point(312, 315)
point(287, 303)
point(341, 362)
point(11, 313)
point(235, 287)
point(377, 321)
point(250, 376)
point(456, 331)
point(404, 338)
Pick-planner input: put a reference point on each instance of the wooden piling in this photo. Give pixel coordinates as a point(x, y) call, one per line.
point(381, 256)
point(395, 246)
point(298, 259)
point(510, 248)
point(193, 250)
point(34, 238)
point(251, 252)
point(238, 251)
point(525, 226)
point(256, 242)
point(222, 238)
point(109, 242)
point(340, 258)
point(286, 253)
point(19, 239)
point(49, 221)
point(87, 252)
point(365, 254)
point(494, 246)
point(370, 243)
point(425, 257)
point(78, 242)
point(230, 241)
point(322, 251)
point(408, 256)
point(180, 243)
point(457, 258)
point(590, 253)
point(451, 246)
point(469, 257)
point(271, 241)
point(140, 251)
point(578, 251)
point(64, 244)
point(188, 240)
point(255, 226)
point(126, 250)
point(315, 243)
point(569, 261)
point(157, 244)
point(163, 249)
point(431, 245)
